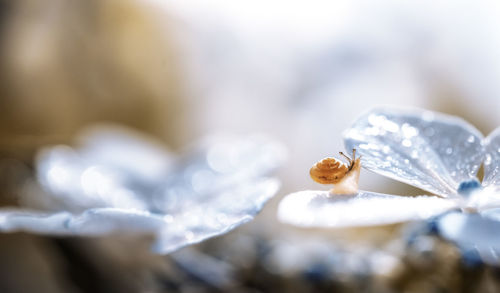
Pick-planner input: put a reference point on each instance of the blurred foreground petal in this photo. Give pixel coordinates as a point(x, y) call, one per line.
point(173, 230)
point(473, 231)
point(215, 216)
point(120, 181)
point(92, 222)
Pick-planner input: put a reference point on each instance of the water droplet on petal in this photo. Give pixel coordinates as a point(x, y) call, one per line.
point(471, 139)
point(414, 154)
point(488, 159)
point(408, 130)
point(449, 151)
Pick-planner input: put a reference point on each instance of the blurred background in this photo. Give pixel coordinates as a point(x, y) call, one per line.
point(298, 71)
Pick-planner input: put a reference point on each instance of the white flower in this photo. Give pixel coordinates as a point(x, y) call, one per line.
point(118, 181)
point(432, 151)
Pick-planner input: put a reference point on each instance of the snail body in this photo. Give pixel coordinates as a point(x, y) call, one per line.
point(344, 177)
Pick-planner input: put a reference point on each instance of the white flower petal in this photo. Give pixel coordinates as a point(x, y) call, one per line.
point(134, 153)
point(216, 215)
point(432, 151)
point(492, 159)
point(74, 183)
point(483, 199)
point(216, 187)
point(217, 167)
point(320, 209)
point(173, 231)
point(92, 222)
point(473, 231)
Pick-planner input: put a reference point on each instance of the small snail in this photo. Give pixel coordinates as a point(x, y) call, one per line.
point(332, 171)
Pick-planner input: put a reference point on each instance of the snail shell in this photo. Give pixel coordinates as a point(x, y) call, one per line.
point(332, 171)
point(328, 171)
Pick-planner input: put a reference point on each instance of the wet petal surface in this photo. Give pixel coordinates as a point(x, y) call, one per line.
point(428, 150)
point(215, 167)
point(312, 208)
point(121, 182)
point(216, 216)
point(93, 222)
point(492, 159)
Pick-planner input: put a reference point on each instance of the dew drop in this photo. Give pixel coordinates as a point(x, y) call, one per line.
point(406, 143)
point(414, 154)
point(449, 150)
point(375, 120)
point(390, 126)
point(487, 161)
point(374, 131)
point(408, 130)
point(471, 139)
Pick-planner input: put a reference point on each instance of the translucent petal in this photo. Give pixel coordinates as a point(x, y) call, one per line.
point(142, 157)
point(92, 222)
point(75, 183)
point(319, 209)
point(216, 215)
point(492, 159)
point(218, 185)
point(432, 151)
point(473, 231)
point(483, 199)
point(113, 167)
point(493, 213)
point(173, 231)
point(216, 166)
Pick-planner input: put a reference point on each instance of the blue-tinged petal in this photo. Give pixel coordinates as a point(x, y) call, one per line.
point(432, 151)
point(320, 209)
point(212, 189)
point(133, 153)
point(112, 167)
point(482, 200)
point(216, 215)
point(473, 231)
point(93, 222)
point(74, 183)
point(215, 167)
point(173, 231)
point(492, 159)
